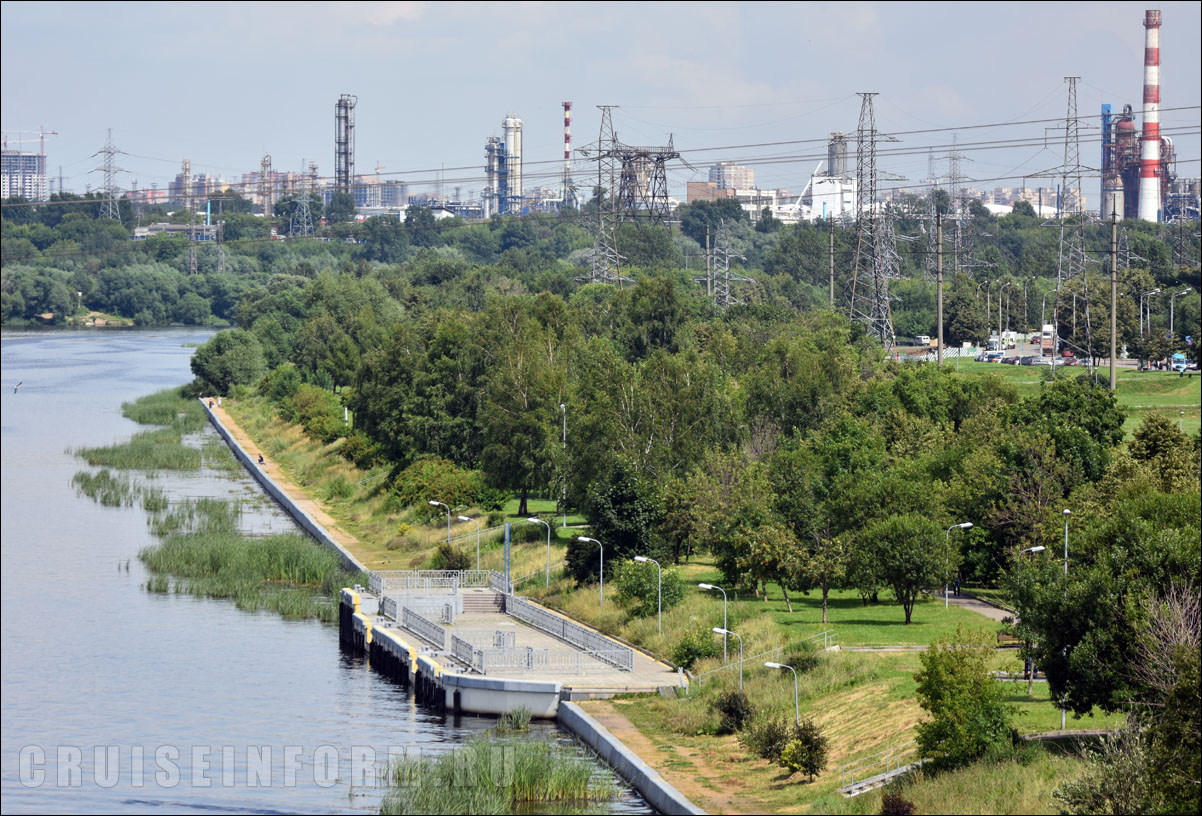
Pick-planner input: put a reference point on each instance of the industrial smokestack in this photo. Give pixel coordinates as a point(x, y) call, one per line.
point(1149, 165)
point(567, 149)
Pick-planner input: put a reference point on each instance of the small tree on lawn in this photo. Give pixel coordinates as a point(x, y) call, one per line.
point(957, 689)
point(807, 752)
point(909, 556)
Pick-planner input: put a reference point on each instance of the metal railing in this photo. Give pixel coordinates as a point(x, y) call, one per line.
point(463, 651)
point(420, 581)
point(564, 629)
point(542, 573)
point(488, 638)
point(497, 581)
point(891, 761)
point(388, 607)
point(426, 629)
point(824, 639)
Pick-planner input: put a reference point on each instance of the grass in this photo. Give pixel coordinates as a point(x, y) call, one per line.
point(1140, 392)
point(495, 775)
point(1022, 783)
point(168, 408)
point(863, 702)
point(107, 488)
point(161, 449)
point(203, 550)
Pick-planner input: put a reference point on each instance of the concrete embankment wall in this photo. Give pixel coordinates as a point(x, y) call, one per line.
point(276, 492)
point(645, 779)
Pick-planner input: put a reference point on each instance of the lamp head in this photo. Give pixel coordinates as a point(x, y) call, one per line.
point(706, 586)
point(641, 559)
point(434, 503)
point(1067, 512)
point(1032, 550)
point(587, 539)
point(774, 665)
point(535, 521)
point(718, 630)
point(965, 525)
point(465, 518)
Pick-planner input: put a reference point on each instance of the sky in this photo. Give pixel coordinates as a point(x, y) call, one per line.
point(763, 83)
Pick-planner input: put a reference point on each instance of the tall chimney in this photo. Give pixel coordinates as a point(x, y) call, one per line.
point(567, 148)
point(1149, 165)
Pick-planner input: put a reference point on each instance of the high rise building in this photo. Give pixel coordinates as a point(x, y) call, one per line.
point(24, 175)
point(731, 176)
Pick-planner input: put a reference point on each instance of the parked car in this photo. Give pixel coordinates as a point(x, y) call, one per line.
point(1041, 361)
point(1010, 360)
point(1028, 360)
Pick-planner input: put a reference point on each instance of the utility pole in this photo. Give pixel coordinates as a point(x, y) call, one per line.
point(939, 284)
point(1114, 297)
point(831, 254)
point(108, 206)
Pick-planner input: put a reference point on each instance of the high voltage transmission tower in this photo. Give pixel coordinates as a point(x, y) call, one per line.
point(302, 218)
point(108, 205)
point(722, 275)
point(607, 263)
point(876, 251)
point(932, 250)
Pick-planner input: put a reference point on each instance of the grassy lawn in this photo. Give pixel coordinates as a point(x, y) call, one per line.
point(1140, 392)
point(864, 703)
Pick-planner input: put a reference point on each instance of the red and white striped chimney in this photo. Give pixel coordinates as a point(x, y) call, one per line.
point(1149, 169)
point(567, 144)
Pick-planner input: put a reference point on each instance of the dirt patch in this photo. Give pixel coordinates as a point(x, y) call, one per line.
point(714, 781)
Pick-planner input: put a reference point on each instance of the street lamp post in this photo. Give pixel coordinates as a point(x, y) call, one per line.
point(796, 704)
point(465, 518)
point(1145, 297)
point(947, 547)
point(723, 631)
point(448, 508)
point(659, 591)
point(1067, 513)
point(548, 526)
point(600, 602)
point(723, 591)
point(1031, 669)
point(1173, 299)
point(563, 494)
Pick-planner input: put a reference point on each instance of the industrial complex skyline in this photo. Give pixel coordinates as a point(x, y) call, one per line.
point(757, 84)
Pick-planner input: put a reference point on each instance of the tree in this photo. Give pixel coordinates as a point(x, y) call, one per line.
point(622, 513)
point(964, 318)
point(232, 357)
point(341, 208)
point(909, 552)
point(769, 552)
point(957, 689)
point(808, 751)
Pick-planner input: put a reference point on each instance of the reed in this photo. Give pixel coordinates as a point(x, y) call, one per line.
point(494, 775)
point(161, 449)
point(169, 408)
point(109, 489)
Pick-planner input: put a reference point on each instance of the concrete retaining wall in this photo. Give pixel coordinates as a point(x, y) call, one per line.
point(496, 695)
point(645, 779)
point(276, 492)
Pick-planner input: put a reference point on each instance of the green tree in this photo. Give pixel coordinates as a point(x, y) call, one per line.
point(623, 512)
point(909, 551)
point(956, 688)
point(964, 318)
point(232, 357)
point(642, 588)
point(769, 552)
point(341, 208)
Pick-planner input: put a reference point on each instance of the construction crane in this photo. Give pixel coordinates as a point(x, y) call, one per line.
point(42, 134)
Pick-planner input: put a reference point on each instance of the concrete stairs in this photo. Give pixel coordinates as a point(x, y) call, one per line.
point(481, 601)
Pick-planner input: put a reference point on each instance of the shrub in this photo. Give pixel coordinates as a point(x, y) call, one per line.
point(492, 499)
point(319, 412)
point(695, 645)
point(359, 449)
point(894, 804)
point(450, 557)
point(735, 709)
point(637, 587)
point(808, 752)
point(803, 657)
point(528, 533)
point(281, 384)
point(955, 686)
point(767, 737)
point(495, 518)
point(438, 479)
point(339, 488)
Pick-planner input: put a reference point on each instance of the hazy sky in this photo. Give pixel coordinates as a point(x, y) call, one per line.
point(224, 83)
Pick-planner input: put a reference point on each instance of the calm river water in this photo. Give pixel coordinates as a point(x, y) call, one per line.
point(116, 700)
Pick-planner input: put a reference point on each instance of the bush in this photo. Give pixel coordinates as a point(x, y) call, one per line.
point(894, 804)
point(808, 752)
point(955, 686)
point(359, 449)
point(281, 384)
point(767, 737)
point(803, 657)
point(319, 412)
point(694, 646)
point(735, 709)
point(528, 533)
point(339, 488)
point(438, 479)
point(637, 587)
point(450, 557)
point(492, 499)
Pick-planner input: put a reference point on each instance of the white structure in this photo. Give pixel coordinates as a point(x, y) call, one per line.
point(511, 130)
point(832, 197)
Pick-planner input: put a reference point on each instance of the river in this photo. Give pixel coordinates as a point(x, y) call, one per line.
point(116, 700)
